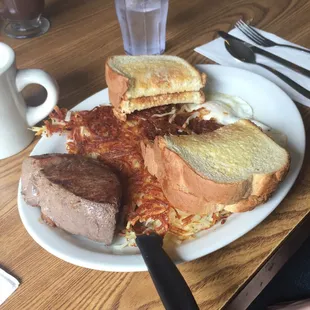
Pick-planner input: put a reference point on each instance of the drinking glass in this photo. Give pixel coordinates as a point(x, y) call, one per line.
point(143, 25)
point(24, 18)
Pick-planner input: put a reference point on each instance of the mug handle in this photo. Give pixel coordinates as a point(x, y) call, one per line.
point(36, 76)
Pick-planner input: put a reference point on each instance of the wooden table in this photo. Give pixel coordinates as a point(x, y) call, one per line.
point(83, 34)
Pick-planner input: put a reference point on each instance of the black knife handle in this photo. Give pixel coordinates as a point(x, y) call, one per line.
point(289, 81)
point(170, 284)
point(282, 61)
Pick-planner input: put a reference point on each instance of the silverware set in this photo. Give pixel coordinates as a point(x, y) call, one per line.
point(259, 39)
point(246, 52)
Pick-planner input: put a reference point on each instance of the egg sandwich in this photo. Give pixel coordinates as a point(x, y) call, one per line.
point(141, 82)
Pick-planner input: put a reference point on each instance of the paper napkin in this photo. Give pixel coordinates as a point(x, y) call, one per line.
point(8, 285)
point(216, 51)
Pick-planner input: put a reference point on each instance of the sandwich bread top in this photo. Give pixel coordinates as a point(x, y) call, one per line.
point(143, 76)
point(231, 154)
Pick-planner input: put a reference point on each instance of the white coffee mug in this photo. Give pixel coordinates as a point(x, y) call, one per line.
point(16, 118)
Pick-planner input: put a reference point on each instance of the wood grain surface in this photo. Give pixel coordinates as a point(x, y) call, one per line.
point(83, 34)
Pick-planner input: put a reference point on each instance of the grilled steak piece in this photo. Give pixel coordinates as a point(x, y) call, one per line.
point(78, 194)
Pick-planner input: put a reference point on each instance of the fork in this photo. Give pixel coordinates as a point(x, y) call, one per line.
point(259, 39)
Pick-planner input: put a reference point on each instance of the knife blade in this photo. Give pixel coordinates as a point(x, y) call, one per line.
point(226, 36)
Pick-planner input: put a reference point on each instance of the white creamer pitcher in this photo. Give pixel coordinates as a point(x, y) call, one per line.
point(15, 117)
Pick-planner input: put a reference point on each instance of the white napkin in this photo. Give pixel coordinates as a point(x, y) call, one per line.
point(8, 285)
point(216, 51)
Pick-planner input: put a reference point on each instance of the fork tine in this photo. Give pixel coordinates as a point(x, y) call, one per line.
point(251, 35)
point(254, 31)
point(248, 34)
point(264, 41)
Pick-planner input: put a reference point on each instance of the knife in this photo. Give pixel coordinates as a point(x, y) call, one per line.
point(226, 36)
point(170, 284)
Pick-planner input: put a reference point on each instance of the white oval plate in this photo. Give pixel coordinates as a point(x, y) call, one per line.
point(270, 105)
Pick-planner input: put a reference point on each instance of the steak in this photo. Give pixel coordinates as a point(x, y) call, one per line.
point(78, 194)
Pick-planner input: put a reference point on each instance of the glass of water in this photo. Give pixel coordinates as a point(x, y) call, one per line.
point(143, 25)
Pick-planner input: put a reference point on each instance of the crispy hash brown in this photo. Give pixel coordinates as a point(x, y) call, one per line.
point(99, 134)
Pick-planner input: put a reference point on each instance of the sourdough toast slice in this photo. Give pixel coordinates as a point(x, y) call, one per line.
point(236, 167)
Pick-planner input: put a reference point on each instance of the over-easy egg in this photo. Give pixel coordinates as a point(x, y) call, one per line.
point(237, 106)
point(225, 109)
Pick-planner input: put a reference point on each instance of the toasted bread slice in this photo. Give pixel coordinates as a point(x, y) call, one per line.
point(235, 167)
point(138, 104)
point(130, 77)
